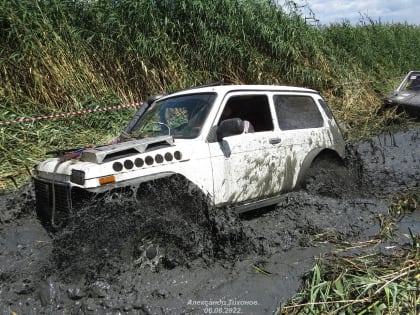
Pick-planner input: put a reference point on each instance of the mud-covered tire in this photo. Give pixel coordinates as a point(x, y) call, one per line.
point(328, 176)
point(207, 232)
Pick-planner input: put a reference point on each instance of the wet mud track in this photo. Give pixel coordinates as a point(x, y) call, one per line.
point(184, 259)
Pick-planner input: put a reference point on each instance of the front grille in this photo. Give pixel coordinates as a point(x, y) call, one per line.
point(43, 196)
point(53, 203)
point(62, 205)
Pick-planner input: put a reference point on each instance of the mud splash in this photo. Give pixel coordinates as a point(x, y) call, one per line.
point(154, 263)
point(169, 224)
point(19, 204)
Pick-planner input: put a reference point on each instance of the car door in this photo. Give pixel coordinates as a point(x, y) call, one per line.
point(245, 166)
point(301, 129)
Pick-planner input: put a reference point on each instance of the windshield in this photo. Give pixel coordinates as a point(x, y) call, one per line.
point(412, 82)
point(181, 117)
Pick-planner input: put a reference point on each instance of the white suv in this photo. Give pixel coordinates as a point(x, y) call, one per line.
point(200, 134)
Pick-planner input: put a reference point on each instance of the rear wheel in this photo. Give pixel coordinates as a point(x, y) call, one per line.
point(327, 176)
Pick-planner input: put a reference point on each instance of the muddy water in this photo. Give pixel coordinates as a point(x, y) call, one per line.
point(152, 262)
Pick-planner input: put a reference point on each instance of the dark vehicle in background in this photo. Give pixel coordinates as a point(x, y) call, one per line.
point(407, 96)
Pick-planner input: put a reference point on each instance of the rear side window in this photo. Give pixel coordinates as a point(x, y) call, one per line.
point(325, 108)
point(297, 112)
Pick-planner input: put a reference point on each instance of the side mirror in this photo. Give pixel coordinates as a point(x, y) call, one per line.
point(230, 127)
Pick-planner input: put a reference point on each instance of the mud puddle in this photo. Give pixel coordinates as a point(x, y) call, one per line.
point(154, 263)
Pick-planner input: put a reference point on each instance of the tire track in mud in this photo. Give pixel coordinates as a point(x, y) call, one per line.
point(182, 257)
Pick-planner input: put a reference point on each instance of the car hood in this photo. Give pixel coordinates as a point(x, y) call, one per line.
point(96, 159)
point(103, 154)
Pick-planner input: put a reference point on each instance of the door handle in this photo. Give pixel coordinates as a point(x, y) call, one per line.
point(274, 140)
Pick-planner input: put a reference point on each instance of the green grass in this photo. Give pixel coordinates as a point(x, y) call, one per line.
point(368, 284)
point(58, 56)
point(23, 145)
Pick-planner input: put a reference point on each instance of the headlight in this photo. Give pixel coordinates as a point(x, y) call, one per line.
point(77, 177)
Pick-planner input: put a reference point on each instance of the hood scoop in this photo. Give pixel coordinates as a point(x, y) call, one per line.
point(112, 152)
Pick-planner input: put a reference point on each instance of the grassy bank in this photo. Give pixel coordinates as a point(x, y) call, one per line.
point(59, 56)
point(365, 284)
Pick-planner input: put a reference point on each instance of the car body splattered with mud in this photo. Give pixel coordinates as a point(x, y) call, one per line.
point(239, 145)
point(407, 96)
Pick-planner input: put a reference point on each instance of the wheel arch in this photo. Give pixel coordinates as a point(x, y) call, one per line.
point(313, 157)
point(174, 184)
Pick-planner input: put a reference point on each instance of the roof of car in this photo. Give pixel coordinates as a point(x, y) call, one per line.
point(245, 88)
point(412, 73)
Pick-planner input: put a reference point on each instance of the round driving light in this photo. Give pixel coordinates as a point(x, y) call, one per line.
point(177, 155)
point(128, 164)
point(159, 158)
point(139, 162)
point(149, 160)
point(168, 156)
point(117, 166)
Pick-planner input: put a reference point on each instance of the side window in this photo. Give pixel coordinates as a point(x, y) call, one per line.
point(325, 108)
point(297, 112)
point(253, 108)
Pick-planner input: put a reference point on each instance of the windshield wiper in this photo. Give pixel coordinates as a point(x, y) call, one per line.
point(140, 134)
